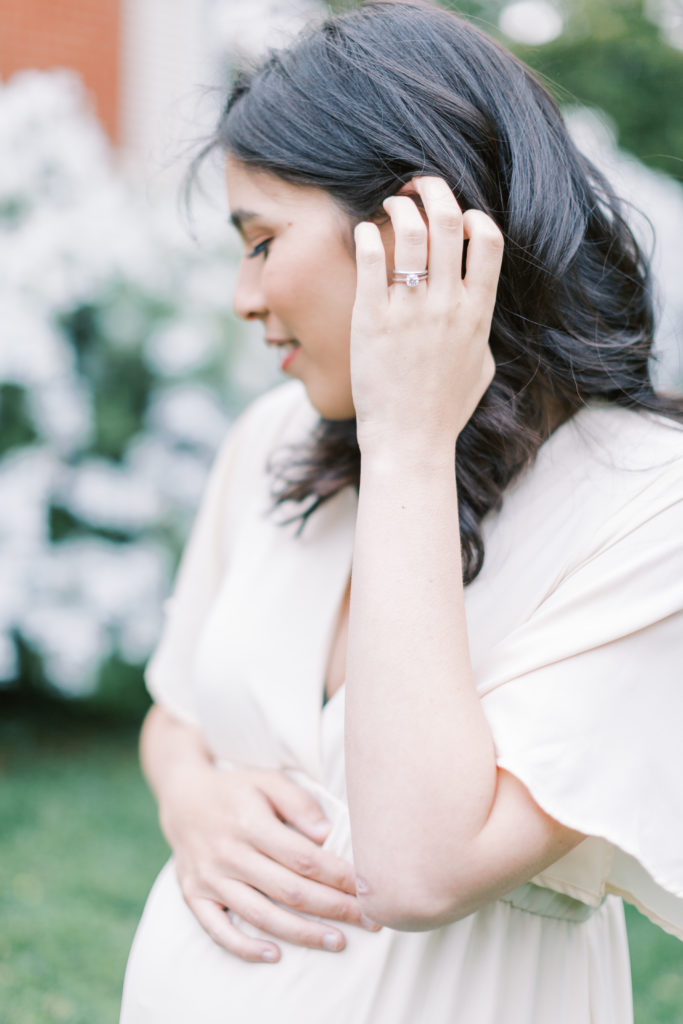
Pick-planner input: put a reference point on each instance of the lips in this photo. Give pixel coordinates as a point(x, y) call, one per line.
point(288, 347)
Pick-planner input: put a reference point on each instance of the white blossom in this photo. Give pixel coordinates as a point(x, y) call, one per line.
point(179, 347)
point(73, 233)
point(62, 411)
point(115, 580)
point(58, 147)
point(107, 494)
point(189, 411)
point(533, 22)
point(177, 474)
point(247, 30)
point(668, 14)
point(27, 478)
point(72, 642)
point(32, 350)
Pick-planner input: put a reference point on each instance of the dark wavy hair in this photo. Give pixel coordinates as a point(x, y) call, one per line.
point(362, 103)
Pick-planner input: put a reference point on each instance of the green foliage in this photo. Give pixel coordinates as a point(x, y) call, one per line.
point(613, 57)
point(119, 694)
point(16, 425)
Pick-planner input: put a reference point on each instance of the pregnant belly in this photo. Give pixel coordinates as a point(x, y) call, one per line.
point(501, 963)
point(177, 975)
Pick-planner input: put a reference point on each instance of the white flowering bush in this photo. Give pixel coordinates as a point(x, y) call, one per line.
point(120, 368)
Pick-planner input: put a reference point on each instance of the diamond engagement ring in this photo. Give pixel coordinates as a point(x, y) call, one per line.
point(411, 278)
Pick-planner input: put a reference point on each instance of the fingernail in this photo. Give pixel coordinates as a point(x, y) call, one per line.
point(269, 955)
point(362, 887)
point(332, 942)
point(371, 926)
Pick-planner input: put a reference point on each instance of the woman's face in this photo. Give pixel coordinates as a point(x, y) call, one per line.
point(298, 277)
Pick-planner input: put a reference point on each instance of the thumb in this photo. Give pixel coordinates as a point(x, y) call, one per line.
point(296, 807)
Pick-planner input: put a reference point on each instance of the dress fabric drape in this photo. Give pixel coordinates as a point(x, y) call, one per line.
point(576, 636)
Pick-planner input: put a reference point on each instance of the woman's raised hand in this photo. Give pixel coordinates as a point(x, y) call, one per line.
point(249, 840)
point(420, 357)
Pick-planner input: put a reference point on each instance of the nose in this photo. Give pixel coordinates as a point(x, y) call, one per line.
point(248, 299)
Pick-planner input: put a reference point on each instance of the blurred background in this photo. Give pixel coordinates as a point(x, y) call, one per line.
point(121, 367)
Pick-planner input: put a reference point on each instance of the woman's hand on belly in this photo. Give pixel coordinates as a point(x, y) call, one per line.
point(249, 841)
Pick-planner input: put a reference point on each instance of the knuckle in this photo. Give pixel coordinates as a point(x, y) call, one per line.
point(222, 849)
point(248, 826)
point(495, 238)
point(342, 910)
point(443, 310)
point(448, 218)
point(486, 228)
point(343, 879)
point(292, 896)
point(369, 255)
point(225, 858)
point(304, 864)
point(415, 235)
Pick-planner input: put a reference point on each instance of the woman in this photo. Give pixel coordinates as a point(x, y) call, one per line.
point(443, 273)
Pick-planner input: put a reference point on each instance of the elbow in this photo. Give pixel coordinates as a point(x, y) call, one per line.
point(407, 907)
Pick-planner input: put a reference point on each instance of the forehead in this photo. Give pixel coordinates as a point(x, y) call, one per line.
point(255, 194)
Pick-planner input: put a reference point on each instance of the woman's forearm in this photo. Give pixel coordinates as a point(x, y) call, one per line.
point(172, 754)
point(421, 770)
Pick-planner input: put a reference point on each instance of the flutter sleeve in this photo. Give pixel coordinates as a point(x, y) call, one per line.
point(585, 704)
point(238, 477)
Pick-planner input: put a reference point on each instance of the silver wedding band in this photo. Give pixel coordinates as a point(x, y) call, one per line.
point(411, 278)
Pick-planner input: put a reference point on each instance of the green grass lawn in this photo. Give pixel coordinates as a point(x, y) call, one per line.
point(79, 849)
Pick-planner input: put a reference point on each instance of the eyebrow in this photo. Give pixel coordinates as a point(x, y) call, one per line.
point(239, 217)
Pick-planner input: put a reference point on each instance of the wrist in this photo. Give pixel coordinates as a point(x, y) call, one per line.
point(173, 754)
point(416, 456)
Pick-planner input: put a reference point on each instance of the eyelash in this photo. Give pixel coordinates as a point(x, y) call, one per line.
point(261, 248)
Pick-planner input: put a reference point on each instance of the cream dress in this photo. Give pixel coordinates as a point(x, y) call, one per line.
point(576, 635)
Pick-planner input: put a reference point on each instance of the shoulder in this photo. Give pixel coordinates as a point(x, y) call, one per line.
point(606, 461)
point(625, 440)
point(627, 464)
point(607, 476)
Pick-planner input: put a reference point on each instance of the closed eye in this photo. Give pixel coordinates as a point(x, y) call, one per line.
point(260, 249)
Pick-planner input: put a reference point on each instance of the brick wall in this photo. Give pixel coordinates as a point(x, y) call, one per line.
point(79, 34)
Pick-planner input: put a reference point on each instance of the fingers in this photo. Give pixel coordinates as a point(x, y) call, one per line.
point(298, 855)
point(438, 244)
point(262, 913)
point(295, 806)
point(445, 220)
point(371, 284)
point(293, 850)
point(410, 234)
point(484, 256)
point(267, 916)
point(443, 236)
point(304, 895)
point(215, 921)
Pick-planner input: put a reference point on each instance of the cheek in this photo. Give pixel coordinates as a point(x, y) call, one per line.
point(290, 281)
